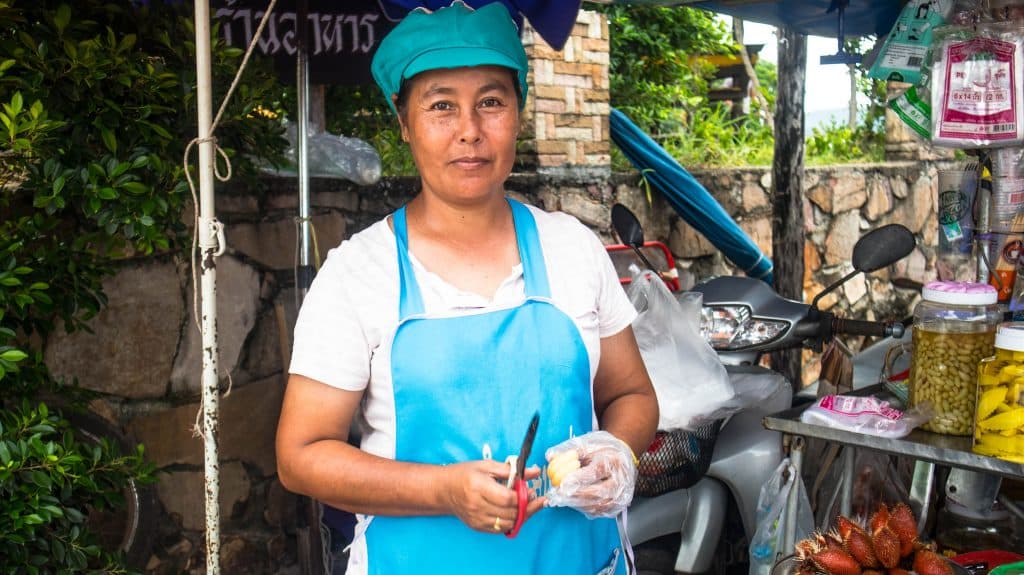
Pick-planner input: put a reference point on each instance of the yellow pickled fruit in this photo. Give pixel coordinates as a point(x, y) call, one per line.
point(562, 465)
point(984, 449)
point(1002, 444)
point(1011, 372)
point(1008, 420)
point(1014, 391)
point(1018, 356)
point(1003, 408)
point(1008, 432)
point(987, 379)
point(990, 400)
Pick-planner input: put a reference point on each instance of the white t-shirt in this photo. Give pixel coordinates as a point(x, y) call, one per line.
point(344, 329)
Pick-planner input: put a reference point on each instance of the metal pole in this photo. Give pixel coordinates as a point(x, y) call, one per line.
point(209, 247)
point(305, 271)
point(796, 459)
point(846, 498)
point(309, 535)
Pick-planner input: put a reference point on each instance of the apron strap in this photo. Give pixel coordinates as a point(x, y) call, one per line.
point(410, 301)
point(535, 273)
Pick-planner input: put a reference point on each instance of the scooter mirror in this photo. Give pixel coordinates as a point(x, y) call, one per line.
point(881, 247)
point(627, 226)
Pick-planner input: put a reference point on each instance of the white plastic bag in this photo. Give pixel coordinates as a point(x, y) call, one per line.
point(867, 415)
point(688, 377)
point(766, 544)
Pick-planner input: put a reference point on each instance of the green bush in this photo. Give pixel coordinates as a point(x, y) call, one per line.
point(96, 106)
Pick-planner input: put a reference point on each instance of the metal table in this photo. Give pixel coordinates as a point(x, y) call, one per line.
point(928, 449)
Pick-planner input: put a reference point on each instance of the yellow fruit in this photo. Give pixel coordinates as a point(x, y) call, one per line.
point(1011, 372)
point(1009, 420)
point(562, 465)
point(1001, 445)
point(1014, 391)
point(984, 449)
point(990, 400)
point(987, 379)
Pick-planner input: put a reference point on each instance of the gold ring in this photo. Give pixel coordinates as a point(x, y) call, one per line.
point(497, 523)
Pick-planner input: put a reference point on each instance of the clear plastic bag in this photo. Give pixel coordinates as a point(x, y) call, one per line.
point(690, 381)
point(331, 156)
point(867, 415)
point(766, 544)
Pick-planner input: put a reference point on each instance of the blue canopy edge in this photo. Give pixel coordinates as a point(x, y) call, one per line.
point(552, 19)
point(688, 197)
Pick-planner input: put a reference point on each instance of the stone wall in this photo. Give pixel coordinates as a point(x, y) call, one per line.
point(143, 355)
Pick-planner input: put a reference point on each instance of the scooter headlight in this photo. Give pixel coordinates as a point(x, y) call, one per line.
point(731, 327)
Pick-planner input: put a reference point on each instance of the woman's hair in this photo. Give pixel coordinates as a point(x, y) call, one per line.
point(406, 86)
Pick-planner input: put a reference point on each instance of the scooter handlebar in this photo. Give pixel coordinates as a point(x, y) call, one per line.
point(873, 328)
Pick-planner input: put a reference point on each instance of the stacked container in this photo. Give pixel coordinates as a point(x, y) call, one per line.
point(954, 329)
point(999, 420)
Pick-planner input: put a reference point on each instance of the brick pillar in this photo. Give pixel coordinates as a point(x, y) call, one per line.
point(565, 122)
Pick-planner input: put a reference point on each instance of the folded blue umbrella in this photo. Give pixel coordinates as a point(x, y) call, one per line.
point(688, 197)
point(552, 19)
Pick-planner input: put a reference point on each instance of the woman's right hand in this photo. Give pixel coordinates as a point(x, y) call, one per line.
point(477, 494)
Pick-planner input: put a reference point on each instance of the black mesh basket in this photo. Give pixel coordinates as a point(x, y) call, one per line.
point(676, 459)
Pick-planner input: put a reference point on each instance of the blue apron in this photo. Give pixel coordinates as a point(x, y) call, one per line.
point(465, 387)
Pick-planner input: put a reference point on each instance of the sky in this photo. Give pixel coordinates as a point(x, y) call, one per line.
point(827, 87)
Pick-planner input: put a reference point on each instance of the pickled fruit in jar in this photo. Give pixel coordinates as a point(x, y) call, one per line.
point(944, 372)
point(999, 417)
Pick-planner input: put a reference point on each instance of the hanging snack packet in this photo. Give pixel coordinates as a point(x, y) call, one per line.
point(906, 46)
point(913, 107)
point(977, 86)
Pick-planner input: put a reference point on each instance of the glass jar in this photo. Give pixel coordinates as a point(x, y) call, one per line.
point(999, 419)
point(954, 329)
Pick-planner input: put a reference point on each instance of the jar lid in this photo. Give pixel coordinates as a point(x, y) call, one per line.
point(1010, 335)
point(960, 293)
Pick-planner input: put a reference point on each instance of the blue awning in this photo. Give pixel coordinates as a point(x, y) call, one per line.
point(554, 19)
point(688, 197)
point(812, 17)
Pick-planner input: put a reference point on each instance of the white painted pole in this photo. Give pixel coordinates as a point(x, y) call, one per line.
point(209, 249)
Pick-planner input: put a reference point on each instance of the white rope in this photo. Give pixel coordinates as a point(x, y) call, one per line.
point(218, 228)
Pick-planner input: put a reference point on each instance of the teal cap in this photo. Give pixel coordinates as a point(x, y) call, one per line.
point(453, 37)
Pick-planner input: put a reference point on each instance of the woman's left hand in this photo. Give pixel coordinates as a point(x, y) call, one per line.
point(603, 485)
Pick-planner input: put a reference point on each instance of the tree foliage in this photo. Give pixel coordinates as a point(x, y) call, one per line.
point(659, 80)
point(96, 106)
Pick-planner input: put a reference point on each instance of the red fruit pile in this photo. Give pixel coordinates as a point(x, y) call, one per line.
point(887, 545)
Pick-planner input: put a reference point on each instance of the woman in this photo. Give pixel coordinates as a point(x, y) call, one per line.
point(443, 328)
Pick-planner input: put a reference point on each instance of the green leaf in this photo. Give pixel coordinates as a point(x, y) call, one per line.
point(62, 18)
point(109, 140)
point(58, 185)
point(5, 454)
point(16, 104)
point(107, 193)
point(136, 188)
point(10, 281)
point(6, 65)
point(13, 355)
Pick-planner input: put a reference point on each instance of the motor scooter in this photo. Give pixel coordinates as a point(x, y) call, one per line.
point(679, 528)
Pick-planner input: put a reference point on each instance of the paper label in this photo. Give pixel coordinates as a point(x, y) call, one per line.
point(979, 97)
point(906, 57)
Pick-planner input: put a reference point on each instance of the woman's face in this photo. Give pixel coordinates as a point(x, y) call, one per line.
point(461, 125)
